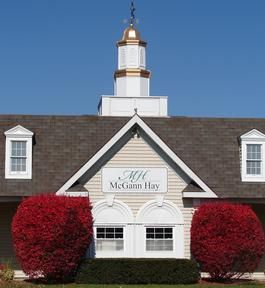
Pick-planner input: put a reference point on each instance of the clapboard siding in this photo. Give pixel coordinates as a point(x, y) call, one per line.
point(137, 153)
point(7, 211)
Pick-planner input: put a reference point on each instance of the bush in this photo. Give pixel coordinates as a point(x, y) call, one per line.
point(51, 234)
point(6, 272)
point(227, 240)
point(137, 271)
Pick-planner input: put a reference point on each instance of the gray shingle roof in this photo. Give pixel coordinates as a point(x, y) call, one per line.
point(209, 146)
point(62, 145)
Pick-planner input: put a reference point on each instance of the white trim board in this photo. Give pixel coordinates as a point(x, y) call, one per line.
point(133, 121)
point(202, 194)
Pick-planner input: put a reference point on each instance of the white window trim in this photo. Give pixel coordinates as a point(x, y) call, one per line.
point(176, 222)
point(18, 133)
point(125, 219)
point(254, 137)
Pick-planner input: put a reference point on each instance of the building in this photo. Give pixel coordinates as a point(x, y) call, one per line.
point(144, 171)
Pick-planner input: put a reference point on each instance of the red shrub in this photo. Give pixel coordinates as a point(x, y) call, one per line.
point(51, 234)
point(227, 240)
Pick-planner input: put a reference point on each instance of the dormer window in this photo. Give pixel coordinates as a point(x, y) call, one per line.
point(18, 159)
point(253, 158)
point(18, 156)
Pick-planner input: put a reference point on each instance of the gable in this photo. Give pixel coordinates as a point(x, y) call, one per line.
point(19, 131)
point(254, 134)
point(136, 126)
point(138, 153)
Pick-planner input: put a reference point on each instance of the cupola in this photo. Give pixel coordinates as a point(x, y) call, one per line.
point(132, 79)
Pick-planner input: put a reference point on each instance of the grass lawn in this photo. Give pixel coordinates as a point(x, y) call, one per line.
point(246, 285)
point(154, 286)
point(203, 285)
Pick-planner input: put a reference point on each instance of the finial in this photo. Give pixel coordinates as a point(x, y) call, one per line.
point(132, 18)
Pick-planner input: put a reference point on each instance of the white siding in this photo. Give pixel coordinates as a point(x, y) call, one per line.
point(137, 153)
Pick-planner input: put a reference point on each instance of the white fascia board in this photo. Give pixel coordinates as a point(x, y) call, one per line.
point(76, 194)
point(136, 120)
point(197, 195)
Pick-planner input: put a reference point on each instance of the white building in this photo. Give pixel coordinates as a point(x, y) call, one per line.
point(144, 171)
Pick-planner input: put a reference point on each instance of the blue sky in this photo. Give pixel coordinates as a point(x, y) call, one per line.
point(58, 56)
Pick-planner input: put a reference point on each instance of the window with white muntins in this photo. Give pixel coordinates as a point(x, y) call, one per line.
point(109, 238)
point(253, 156)
point(254, 159)
point(159, 239)
point(18, 153)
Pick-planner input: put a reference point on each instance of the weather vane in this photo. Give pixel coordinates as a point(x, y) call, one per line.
point(132, 18)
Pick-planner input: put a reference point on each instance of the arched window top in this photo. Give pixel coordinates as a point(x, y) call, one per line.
point(151, 213)
point(117, 213)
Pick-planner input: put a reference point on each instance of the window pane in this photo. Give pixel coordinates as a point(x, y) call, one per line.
point(18, 164)
point(159, 245)
point(159, 239)
point(109, 230)
point(168, 230)
point(150, 230)
point(119, 230)
point(109, 238)
point(254, 159)
point(253, 151)
point(18, 148)
point(118, 235)
point(110, 235)
point(109, 245)
point(18, 156)
point(253, 167)
point(159, 236)
point(100, 230)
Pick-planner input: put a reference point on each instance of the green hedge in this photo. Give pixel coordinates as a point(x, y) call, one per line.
point(137, 271)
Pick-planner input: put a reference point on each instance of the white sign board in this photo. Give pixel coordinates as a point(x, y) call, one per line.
point(137, 179)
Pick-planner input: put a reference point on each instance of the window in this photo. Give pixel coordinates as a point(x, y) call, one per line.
point(18, 159)
point(254, 160)
point(18, 156)
point(159, 239)
point(252, 156)
point(109, 239)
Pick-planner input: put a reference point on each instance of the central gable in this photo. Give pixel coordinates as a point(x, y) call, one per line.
point(137, 155)
point(130, 134)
